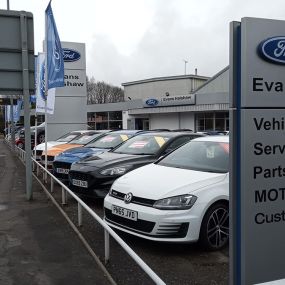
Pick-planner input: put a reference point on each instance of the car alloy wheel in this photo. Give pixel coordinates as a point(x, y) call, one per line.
point(215, 227)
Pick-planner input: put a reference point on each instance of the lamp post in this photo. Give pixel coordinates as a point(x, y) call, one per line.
point(8, 5)
point(185, 63)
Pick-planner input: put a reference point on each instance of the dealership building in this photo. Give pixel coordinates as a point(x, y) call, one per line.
point(191, 102)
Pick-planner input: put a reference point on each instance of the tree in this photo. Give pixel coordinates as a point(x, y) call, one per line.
point(101, 92)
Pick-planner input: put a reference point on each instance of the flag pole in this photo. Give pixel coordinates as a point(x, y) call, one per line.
point(46, 95)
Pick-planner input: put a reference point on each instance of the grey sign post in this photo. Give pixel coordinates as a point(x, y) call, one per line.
point(17, 69)
point(257, 176)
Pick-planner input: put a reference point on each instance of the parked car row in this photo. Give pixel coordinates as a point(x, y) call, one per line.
point(182, 197)
point(38, 131)
point(169, 186)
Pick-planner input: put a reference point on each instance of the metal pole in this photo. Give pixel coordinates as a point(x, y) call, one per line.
point(79, 212)
point(12, 123)
point(26, 92)
point(107, 246)
point(46, 95)
point(185, 62)
point(8, 5)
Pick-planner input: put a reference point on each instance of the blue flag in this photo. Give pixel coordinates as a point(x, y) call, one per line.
point(54, 53)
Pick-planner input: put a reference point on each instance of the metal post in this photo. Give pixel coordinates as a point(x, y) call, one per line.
point(26, 92)
point(12, 123)
point(79, 211)
point(63, 196)
point(51, 185)
point(8, 5)
point(107, 246)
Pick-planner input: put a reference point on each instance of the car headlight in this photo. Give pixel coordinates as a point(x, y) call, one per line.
point(118, 170)
point(182, 202)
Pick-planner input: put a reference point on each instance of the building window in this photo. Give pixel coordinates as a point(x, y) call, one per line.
point(105, 120)
point(216, 121)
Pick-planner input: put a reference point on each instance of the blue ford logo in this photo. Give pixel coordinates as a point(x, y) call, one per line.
point(151, 102)
point(273, 50)
point(56, 57)
point(42, 81)
point(70, 55)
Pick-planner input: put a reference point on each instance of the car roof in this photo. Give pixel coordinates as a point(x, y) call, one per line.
point(126, 131)
point(218, 138)
point(170, 134)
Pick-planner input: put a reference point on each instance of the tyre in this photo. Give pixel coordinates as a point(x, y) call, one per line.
point(214, 234)
point(41, 138)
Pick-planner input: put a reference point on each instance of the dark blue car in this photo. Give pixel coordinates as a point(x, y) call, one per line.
point(106, 142)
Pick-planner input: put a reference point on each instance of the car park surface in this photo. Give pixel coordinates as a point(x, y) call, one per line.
point(94, 176)
point(108, 141)
point(183, 197)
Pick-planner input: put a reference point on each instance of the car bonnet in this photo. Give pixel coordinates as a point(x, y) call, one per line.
point(156, 182)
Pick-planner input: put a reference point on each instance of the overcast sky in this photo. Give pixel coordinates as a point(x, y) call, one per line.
point(129, 40)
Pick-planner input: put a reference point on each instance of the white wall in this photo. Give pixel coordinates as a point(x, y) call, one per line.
point(164, 121)
point(70, 101)
point(187, 121)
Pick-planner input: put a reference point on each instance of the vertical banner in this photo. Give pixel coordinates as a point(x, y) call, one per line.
point(54, 52)
point(40, 91)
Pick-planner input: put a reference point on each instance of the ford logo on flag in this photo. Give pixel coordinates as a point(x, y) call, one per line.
point(273, 50)
point(151, 102)
point(70, 55)
point(42, 81)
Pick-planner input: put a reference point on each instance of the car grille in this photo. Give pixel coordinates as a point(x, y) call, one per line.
point(60, 164)
point(178, 230)
point(135, 200)
point(39, 152)
point(80, 176)
point(166, 230)
point(139, 225)
point(49, 158)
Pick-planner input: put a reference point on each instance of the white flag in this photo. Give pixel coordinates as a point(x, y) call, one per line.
point(40, 91)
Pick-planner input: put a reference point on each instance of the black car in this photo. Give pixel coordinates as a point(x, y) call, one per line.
point(94, 176)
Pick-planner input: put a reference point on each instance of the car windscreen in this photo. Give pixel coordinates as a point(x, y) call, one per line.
point(203, 156)
point(143, 144)
point(109, 141)
point(85, 138)
point(68, 137)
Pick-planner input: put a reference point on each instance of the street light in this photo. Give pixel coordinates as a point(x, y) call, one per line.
point(185, 63)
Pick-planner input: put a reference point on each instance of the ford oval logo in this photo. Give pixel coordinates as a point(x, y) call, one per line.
point(151, 102)
point(70, 55)
point(42, 81)
point(273, 50)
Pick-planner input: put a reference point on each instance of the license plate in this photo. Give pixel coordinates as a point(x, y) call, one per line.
point(80, 183)
point(126, 213)
point(62, 170)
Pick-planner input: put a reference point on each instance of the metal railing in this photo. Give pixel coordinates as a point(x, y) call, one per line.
point(81, 205)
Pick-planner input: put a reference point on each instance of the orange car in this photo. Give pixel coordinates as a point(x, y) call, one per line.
point(82, 140)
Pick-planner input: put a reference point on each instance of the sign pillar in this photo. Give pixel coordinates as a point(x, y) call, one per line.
point(26, 93)
point(257, 176)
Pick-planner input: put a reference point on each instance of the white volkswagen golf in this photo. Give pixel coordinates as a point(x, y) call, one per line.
point(183, 197)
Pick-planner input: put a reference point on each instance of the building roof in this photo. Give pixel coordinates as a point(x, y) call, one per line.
point(176, 77)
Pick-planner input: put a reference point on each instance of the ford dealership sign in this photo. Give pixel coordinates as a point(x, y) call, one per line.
point(70, 55)
point(273, 50)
